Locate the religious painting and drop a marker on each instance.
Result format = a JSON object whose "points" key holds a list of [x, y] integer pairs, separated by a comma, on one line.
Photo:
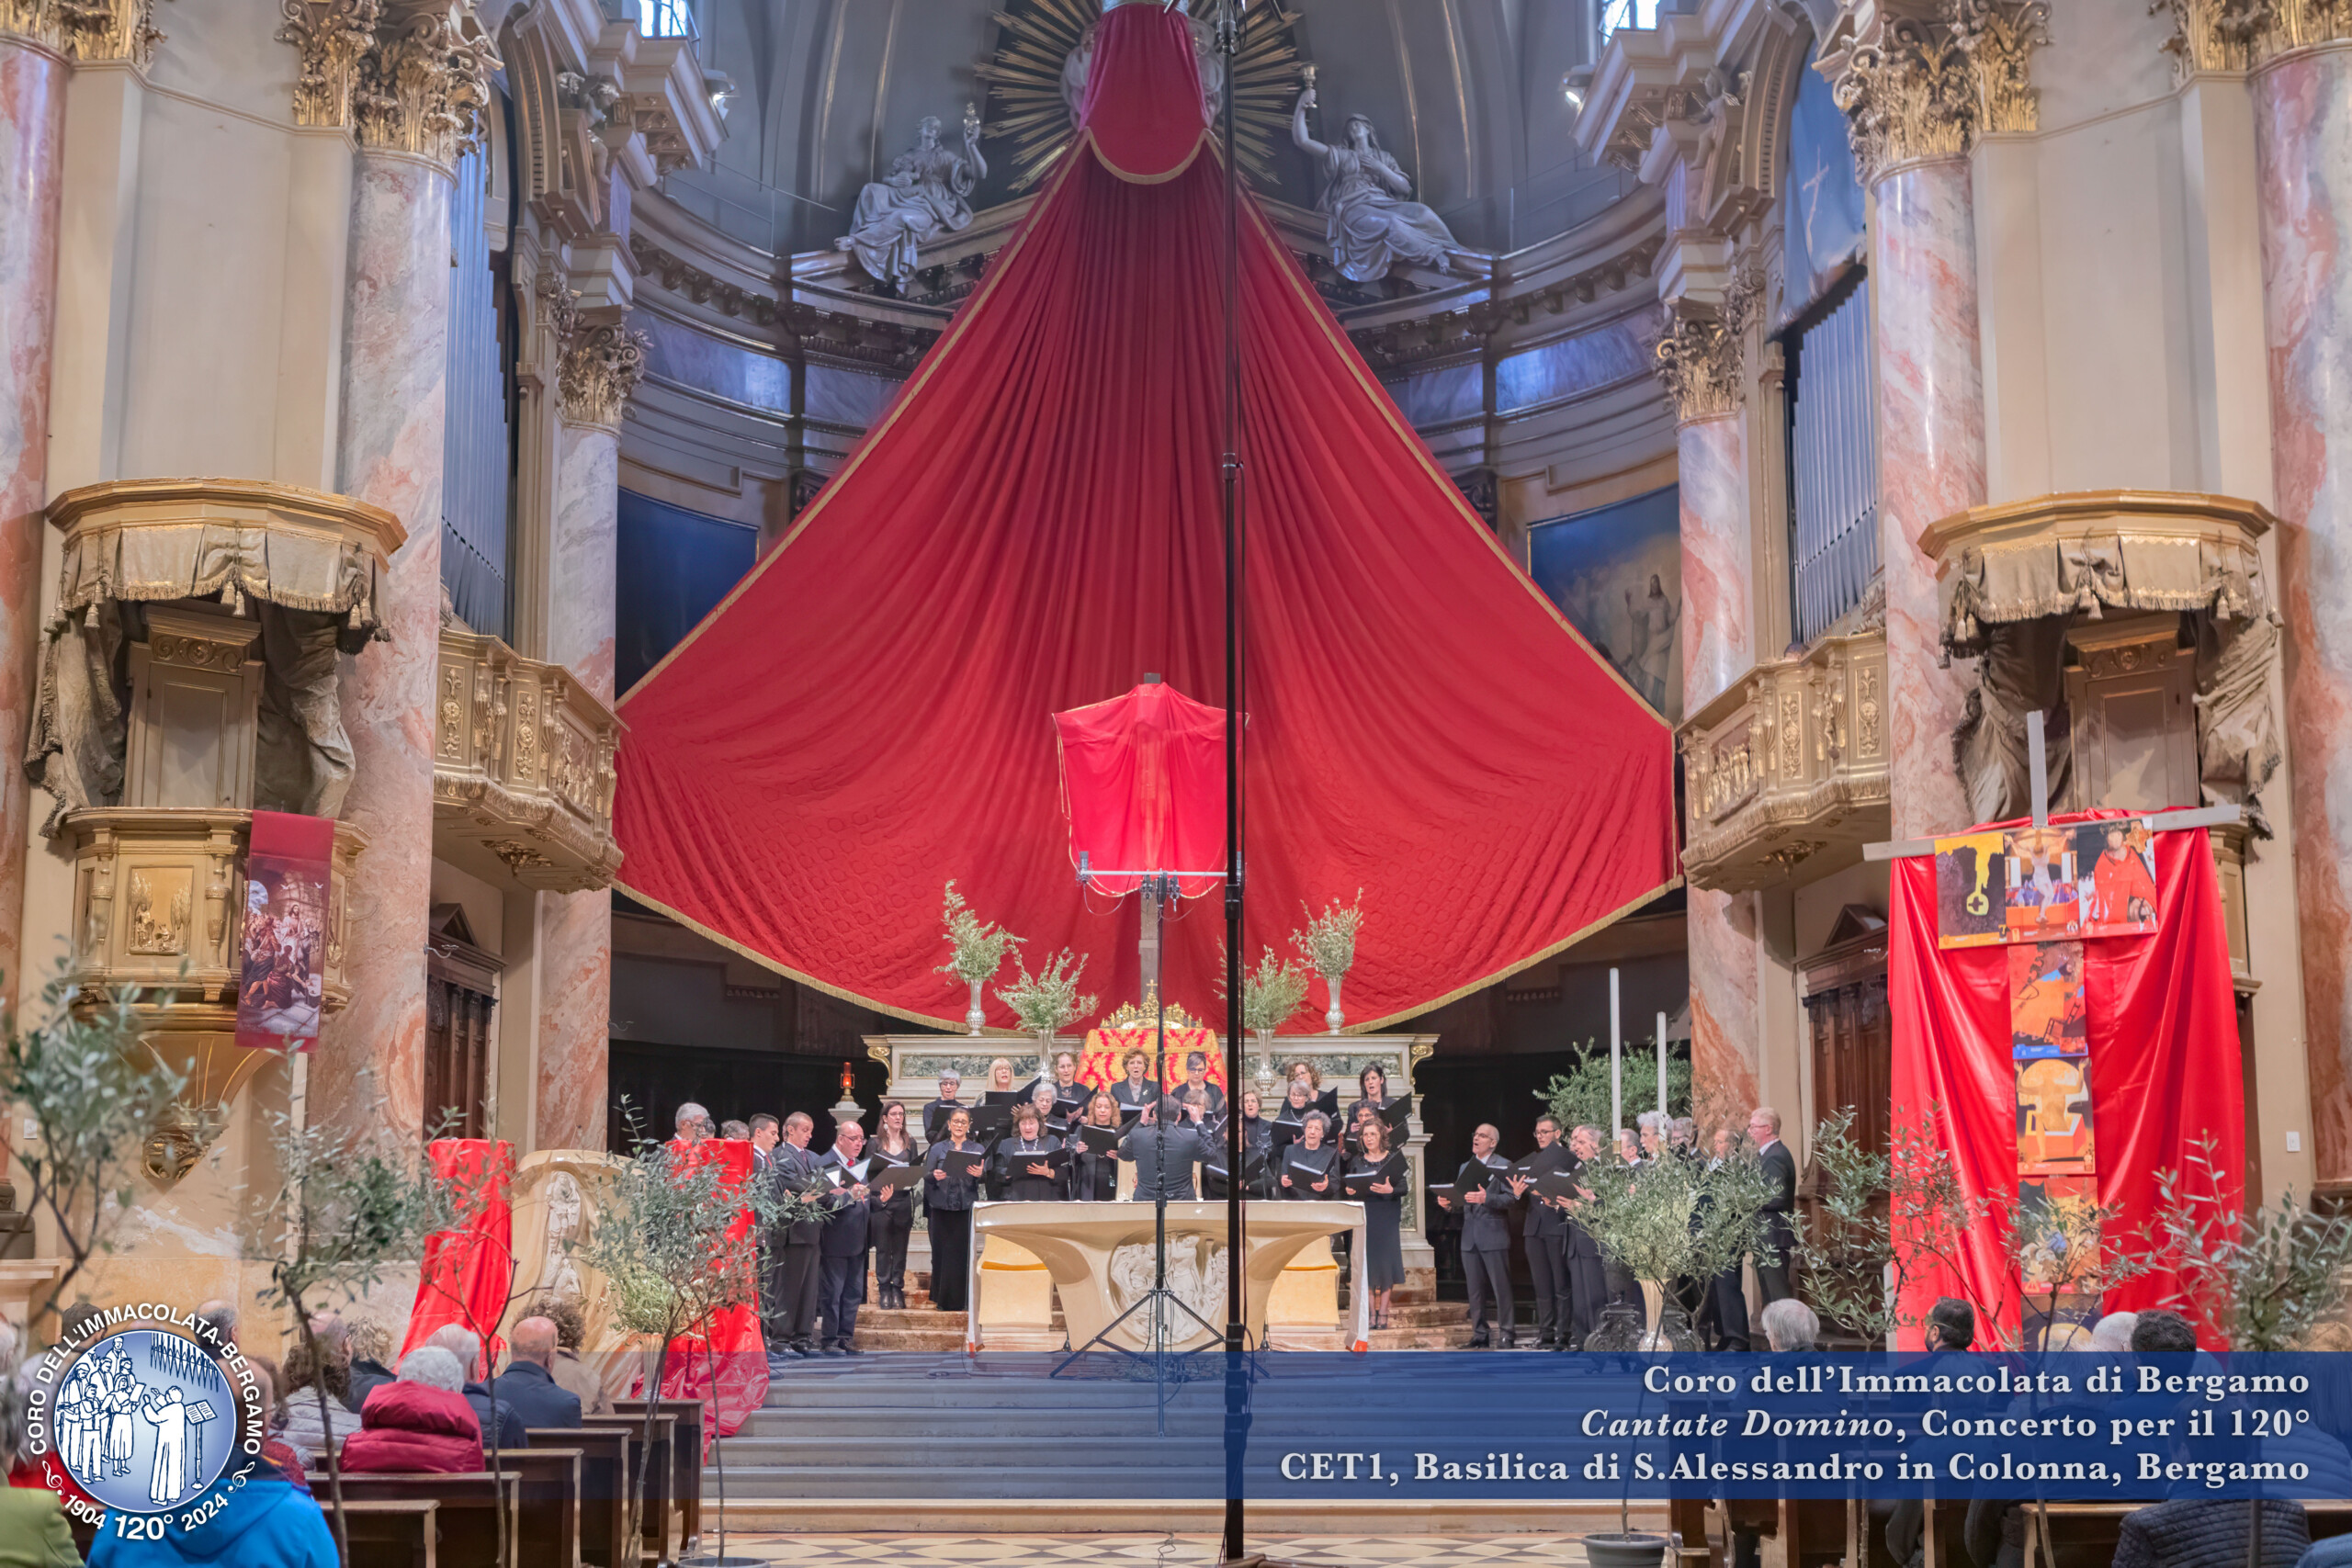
{"points": [[2039, 899], [1616, 573], [2053, 1101], [283, 941], [1972, 891], [2059, 1219], [2116, 862], [2047, 1017]]}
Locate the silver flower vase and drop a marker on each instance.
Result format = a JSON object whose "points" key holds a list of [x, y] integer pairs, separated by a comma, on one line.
{"points": [[974, 1015], [1334, 1019]]}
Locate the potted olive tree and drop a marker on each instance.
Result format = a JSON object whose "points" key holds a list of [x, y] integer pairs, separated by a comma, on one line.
{"points": [[1048, 1001]]}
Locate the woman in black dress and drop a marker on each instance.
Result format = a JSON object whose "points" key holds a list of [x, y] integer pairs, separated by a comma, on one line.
{"points": [[1295, 1182], [1028, 1177], [1094, 1178], [1258, 1138], [948, 1186], [1135, 1088], [1384, 1210], [892, 1219]]}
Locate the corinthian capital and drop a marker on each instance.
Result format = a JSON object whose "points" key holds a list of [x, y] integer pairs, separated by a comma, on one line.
{"points": [[1926, 83], [88, 31], [407, 76], [2240, 35], [599, 372], [1700, 356]]}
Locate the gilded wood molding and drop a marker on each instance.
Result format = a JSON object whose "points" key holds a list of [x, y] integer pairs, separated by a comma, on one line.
{"points": [[522, 769]]}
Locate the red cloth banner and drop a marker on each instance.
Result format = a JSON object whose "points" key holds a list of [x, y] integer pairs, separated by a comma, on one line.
{"points": [[1104, 1060], [282, 943], [724, 1362], [2162, 1029], [1032, 527], [468, 1272], [1143, 785]]}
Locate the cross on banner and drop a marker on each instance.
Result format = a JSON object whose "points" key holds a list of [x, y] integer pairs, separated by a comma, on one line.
{"points": [[2043, 891]]}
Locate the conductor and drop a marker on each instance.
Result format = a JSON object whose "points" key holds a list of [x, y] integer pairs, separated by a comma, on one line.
{"points": [[1186, 1147]]}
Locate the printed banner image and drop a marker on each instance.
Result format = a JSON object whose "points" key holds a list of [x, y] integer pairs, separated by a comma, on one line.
{"points": [[2047, 1017], [2054, 1116], [282, 944], [1971, 891], [1440, 1426], [2117, 863], [2060, 1214], [2038, 874]]}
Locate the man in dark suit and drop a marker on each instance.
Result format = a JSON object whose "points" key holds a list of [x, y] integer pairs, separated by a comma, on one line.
{"points": [[792, 1318], [841, 1249], [1546, 1230], [1185, 1148], [527, 1386], [1486, 1239], [1588, 1275], [1764, 1132]]}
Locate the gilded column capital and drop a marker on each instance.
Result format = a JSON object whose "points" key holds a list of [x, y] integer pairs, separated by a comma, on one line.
{"points": [[1927, 84], [598, 366], [87, 30], [1700, 356], [2243, 35], [405, 75]]}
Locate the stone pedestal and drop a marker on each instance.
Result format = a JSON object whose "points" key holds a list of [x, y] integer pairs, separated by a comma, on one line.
{"points": [[372, 1067], [32, 123], [1931, 464], [2302, 110]]}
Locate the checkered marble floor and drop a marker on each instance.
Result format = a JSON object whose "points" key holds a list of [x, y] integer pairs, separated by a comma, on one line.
{"points": [[1135, 1550]]}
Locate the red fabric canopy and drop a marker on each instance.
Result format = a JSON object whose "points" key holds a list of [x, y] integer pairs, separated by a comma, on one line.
{"points": [[1143, 784], [2163, 1048], [1034, 526]]}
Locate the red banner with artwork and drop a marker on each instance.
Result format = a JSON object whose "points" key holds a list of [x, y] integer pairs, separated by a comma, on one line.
{"points": [[282, 942]]}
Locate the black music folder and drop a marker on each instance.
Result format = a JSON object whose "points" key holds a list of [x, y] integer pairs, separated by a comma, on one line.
{"points": [[934, 1122], [892, 1176], [1099, 1140], [990, 1122], [1068, 1110], [1359, 1182], [1306, 1166], [1397, 1111], [1018, 1161]]}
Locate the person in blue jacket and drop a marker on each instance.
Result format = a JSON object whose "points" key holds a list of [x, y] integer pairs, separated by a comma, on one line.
{"points": [[267, 1522]]}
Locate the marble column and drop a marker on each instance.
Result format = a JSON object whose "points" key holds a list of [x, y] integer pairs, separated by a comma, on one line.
{"points": [[1931, 464], [370, 1064], [1717, 650], [2302, 108], [32, 125], [575, 945]]}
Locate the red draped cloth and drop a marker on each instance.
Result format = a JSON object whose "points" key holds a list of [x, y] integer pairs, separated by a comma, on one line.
{"points": [[1143, 784], [724, 1361], [469, 1271], [1032, 528], [2162, 1049]]}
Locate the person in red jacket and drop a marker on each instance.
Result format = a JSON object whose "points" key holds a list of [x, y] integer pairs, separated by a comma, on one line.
{"points": [[420, 1422]]}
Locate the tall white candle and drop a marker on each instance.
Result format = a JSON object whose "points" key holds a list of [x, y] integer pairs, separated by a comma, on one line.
{"points": [[1616, 1063], [1661, 1064]]}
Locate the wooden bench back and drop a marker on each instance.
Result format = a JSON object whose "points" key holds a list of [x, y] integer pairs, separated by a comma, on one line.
{"points": [[685, 1458], [468, 1508], [548, 1503], [603, 1485], [654, 1466], [392, 1532]]}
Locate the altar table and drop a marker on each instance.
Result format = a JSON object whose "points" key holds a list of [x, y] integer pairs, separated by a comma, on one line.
{"points": [[1019, 1248]]}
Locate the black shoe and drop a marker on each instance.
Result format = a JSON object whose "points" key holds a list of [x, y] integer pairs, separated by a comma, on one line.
{"points": [[1510, 1342], [833, 1350], [1477, 1344]]}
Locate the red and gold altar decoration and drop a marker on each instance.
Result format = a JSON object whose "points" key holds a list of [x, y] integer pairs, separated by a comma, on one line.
{"points": [[1131, 1029]]}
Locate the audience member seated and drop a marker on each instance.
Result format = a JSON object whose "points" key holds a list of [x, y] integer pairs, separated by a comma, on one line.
{"points": [[307, 1431], [272, 1445], [1790, 1325], [419, 1422], [370, 1348], [2113, 1332], [2193, 1532], [527, 1387], [263, 1521], [2335, 1552], [222, 1316], [33, 1532], [571, 1372], [501, 1430], [2158, 1330]]}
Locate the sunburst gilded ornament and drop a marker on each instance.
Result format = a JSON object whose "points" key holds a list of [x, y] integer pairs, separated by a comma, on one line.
{"points": [[1039, 69]]}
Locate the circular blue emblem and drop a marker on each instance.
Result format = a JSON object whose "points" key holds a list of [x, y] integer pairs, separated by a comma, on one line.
{"points": [[144, 1419]]}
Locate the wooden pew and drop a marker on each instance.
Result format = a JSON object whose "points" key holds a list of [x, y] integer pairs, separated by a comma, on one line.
{"points": [[603, 1486], [468, 1515], [2084, 1535], [685, 1462], [548, 1503], [654, 1465], [392, 1533]]}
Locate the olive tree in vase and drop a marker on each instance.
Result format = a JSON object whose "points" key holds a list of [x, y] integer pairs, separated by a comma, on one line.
{"points": [[1328, 945], [1048, 1001], [979, 949]]}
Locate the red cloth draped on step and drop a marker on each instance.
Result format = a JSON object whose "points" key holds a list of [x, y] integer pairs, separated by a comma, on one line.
{"points": [[2163, 1048], [468, 1272], [725, 1365], [1032, 528]]}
